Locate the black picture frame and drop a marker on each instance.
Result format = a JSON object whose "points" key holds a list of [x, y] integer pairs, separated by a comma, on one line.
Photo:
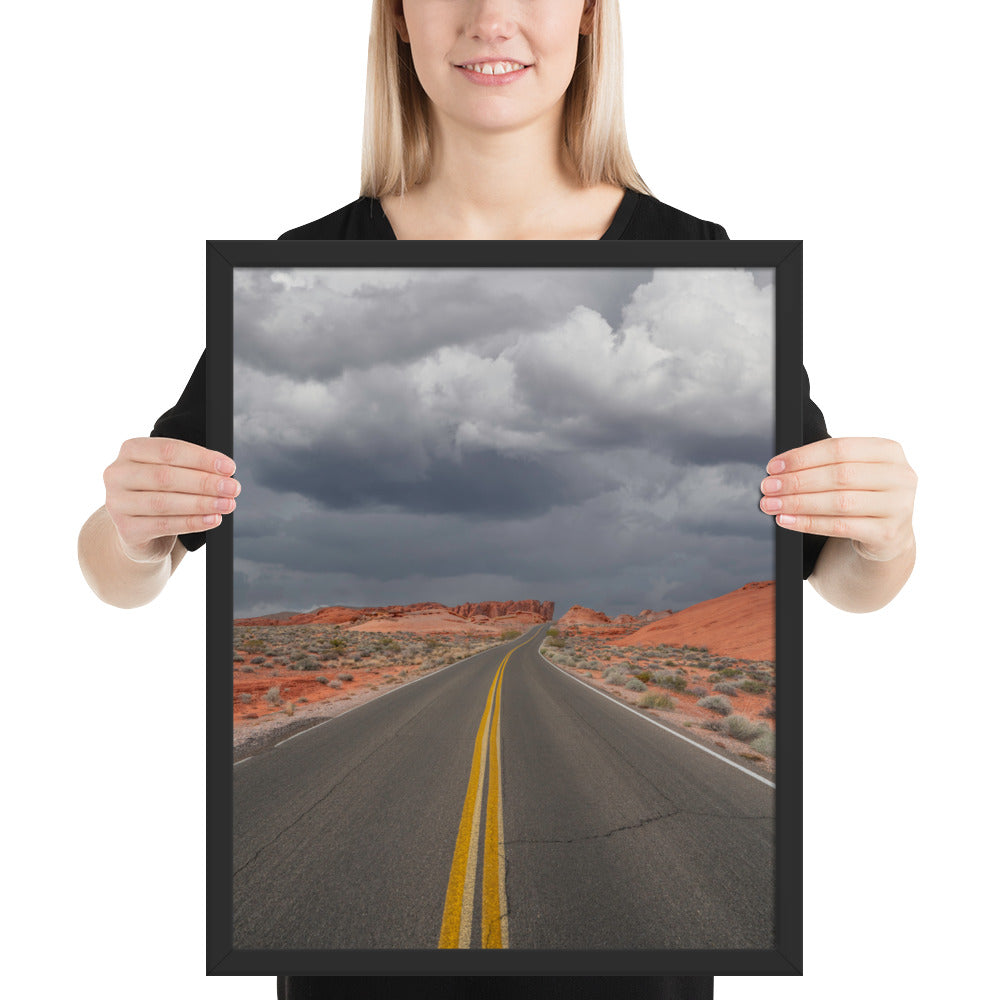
{"points": [[785, 957]]}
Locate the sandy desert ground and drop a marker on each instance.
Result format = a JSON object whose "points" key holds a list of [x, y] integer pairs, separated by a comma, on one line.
{"points": [[706, 671]]}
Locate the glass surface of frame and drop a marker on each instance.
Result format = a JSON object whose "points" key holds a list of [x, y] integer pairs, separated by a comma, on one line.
{"points": [[508, 631]]}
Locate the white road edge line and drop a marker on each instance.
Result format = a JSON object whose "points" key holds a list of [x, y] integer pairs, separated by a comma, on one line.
{"points": [[397, 687], [288, 739], [634, 711]]}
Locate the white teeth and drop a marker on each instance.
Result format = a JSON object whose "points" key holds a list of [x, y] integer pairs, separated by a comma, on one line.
{"points": [[495, 69]]}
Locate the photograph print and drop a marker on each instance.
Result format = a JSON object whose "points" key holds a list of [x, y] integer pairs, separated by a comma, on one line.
{"points": [[503, 612]]}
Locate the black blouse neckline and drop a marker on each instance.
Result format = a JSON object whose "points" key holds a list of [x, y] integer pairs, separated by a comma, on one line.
{"points": [[622, 215]]}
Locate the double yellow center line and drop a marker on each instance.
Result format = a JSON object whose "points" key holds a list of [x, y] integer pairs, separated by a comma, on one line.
{"points": [[456, 925]]}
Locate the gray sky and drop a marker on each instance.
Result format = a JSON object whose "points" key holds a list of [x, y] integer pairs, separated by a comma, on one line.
{"points": [[589, 436]]}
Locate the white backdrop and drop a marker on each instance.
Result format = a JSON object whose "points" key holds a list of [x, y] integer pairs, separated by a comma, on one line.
{"points": [[135, 132]]}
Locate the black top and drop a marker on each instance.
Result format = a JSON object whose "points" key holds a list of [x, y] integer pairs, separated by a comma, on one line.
{"points": [[639, 217]]}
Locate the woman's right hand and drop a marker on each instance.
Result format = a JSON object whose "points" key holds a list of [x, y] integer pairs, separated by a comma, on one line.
{"points": [[159, 488]]}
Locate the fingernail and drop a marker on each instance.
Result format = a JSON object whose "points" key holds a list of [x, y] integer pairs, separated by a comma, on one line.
{"points": [[786, 519], [771, 485], [772, 504], [225, 466], [211, 519], [775, 466], [228, 486]]}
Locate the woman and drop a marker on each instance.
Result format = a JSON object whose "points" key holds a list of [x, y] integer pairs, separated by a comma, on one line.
{"points": [[501, 119]]}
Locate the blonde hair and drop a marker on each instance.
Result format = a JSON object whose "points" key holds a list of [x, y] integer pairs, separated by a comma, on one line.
{"points": [[396, 144]]}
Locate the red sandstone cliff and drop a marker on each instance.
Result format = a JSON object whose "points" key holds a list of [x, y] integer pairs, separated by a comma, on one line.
{"points": [[738, 624], [527, 612]]}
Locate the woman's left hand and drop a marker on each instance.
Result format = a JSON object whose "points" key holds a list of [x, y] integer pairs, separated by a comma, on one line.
{"points": [[856, 488]]}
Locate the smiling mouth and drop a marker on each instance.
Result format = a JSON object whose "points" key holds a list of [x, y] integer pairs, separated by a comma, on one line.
{"points": [[493, 68]]}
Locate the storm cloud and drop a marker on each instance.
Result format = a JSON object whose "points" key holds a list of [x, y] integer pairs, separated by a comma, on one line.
{"points": [[592, 436]]}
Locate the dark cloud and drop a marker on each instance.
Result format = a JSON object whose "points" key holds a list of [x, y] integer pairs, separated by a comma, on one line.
{"points": [[481, 484], [585, 437]]}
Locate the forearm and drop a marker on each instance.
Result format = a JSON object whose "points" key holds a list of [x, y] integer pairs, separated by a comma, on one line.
{"points": [[112, 575], [852, 583]]}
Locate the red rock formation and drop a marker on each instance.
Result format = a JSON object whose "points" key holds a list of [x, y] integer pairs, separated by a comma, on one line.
{"points": [[738, 624], [497, 609], [526, 612], [579, 615]]}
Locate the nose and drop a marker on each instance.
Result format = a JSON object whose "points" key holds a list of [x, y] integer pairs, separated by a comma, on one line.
{"points": [[490, 19]]}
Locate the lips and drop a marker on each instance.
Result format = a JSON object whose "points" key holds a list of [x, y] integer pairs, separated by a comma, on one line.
{"points": [[484, 60], [495, 78]]}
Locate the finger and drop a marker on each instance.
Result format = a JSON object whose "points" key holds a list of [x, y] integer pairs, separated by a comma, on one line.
{"points": [[171, 451], [142, 477], [866, 530], [834, 451], [875, 476], [842, 503], [161, 504]]}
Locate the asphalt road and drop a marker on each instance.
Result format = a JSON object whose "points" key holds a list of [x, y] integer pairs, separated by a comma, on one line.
{"points": [[499, 803]]}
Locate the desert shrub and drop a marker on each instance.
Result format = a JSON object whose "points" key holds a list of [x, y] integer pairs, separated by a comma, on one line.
{"points": [[724, 687], [509, 633], [645, 676], [767, 712], [246, 697], [257, 659], [322, 680], [634, 684], [247, 669], [765, 744], [252, 645], [335, 683], [273, 696], [698, 691], [238, 659], [716, 703], [660, 676], [309, 663], [299, 654], [742, 728], [753, 687], [675, 682], [713, 725], [613, 676], [345, 677], [652, 700]]}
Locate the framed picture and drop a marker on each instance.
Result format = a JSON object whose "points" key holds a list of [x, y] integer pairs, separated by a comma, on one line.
{"points": [[508, 631]]}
